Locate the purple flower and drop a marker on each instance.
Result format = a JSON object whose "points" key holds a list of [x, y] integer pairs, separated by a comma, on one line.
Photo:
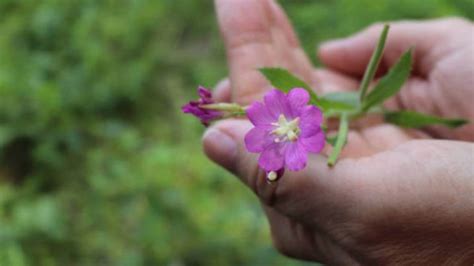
{"points": [[195, 107], [286, 130]]}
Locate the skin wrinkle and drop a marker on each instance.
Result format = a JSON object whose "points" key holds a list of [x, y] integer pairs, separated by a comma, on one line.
{"points": [[308, 248], [281, 21], [284, 199], [323, 239], [371, 145], [253, 29], [348, 257], [306, 252], [440, 77], [395, 212], [436, 81], [402, 153], [470, 110], [300, 231], [257, 37], [418, 242]]}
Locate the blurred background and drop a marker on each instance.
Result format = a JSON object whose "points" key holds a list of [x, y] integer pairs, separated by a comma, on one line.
{"points": [[97, 164]]}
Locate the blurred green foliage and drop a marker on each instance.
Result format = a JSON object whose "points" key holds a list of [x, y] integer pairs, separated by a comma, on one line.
{"points": [[98, 166]]}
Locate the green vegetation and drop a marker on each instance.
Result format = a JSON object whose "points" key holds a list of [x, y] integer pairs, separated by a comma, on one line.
{"points": [[98, 166]]}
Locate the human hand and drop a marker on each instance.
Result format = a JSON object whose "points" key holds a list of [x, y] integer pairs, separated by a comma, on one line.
{"points": [[409, 205], [443, 76], [359, 211]]}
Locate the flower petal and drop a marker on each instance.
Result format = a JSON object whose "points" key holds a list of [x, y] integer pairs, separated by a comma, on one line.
{"points": [[310, 120], [204, 115], [258, 138], [259, 115], [298, 98], [272, 159], [313, 143], [204, 93], [295, 157], [277, 103]]}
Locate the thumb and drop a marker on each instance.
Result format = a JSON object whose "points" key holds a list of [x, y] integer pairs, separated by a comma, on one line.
{"points": [[296, 194], [351, 55]]}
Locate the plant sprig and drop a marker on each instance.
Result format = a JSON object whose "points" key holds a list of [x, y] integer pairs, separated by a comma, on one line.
{"points": [[347, 106]]}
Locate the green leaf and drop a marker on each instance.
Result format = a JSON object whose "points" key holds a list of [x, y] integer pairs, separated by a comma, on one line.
{"points": [[412, 119], [341, 139], [339, 102], [374, 62], [283, 80], [347, 101], [391, 83]]}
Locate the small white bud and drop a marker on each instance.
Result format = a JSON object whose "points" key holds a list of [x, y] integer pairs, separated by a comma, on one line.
{"points": [[272, 176]]}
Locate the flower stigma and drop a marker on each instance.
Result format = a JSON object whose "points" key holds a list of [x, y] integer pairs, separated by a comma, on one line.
{"points": [[286, 130]]}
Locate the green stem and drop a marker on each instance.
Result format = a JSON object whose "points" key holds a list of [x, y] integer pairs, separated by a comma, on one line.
{"points": [[373, 63], [341, 139], [229, 107]]}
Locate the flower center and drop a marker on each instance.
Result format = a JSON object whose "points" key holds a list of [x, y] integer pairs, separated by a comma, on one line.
{"points": [[286, 129]]}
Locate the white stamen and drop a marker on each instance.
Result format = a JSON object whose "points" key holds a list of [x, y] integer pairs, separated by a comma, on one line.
{"points": [[292, 136], [286, 130]]}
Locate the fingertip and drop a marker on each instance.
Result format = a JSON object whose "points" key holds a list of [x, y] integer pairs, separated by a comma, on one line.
{"points": [[327, 50], [219, 147], [222, 91], [331, 45], [349, 55]]}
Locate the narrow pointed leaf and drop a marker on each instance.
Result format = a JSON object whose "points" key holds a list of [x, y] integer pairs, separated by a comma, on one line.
{"points": [[341, 139], [347, 101], [391, 83], [374, 62], [412, 119]]}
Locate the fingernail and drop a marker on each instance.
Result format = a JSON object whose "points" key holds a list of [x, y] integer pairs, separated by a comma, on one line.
{"points": [[220, 147]]}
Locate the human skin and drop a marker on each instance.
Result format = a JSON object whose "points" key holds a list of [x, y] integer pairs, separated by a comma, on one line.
{"points": [[396, 196]]}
